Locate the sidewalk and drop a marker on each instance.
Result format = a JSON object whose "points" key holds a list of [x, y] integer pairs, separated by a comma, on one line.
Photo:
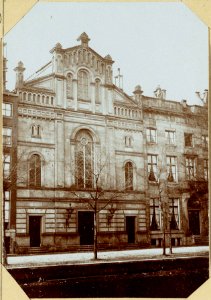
{"points": [[106, 256]]}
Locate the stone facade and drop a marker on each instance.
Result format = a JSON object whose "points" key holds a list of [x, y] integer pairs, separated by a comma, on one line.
{"points": [[74, 125]]}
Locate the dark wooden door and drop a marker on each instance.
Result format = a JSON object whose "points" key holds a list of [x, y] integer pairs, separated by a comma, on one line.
{"points": [[130, 229], [194, 223], [86, 227], [34, 230]]}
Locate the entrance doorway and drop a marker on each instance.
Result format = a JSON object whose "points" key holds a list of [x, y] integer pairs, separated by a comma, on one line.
{"points": [[130, 229], [35, 230], [194, 222], [86, 227]]}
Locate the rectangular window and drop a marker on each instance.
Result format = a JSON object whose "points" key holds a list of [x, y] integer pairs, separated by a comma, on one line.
{"points": [[170, 137], [190, 168], [188, 139], [205, 141], [6, 206], [174, 213], [206, 169], [151, 135], [7, 136], [128, 141], [152, 167], [171, 162], [7, 109], [6, 165], [155, 215]]}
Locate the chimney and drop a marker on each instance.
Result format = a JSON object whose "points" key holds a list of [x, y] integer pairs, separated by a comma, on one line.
{"points": [[19, 75]]}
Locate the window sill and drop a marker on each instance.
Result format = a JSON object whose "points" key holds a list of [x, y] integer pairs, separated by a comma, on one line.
{"points": [[84, 100], [189, 147], [36, 136], [151, 143]]}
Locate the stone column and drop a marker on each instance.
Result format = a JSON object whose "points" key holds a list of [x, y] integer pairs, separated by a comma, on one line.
{"points": [[75, 94], [92, 96], [60, 152]]}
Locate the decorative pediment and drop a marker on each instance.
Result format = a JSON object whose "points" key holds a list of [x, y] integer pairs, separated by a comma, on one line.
{"points": [[85, 56]]}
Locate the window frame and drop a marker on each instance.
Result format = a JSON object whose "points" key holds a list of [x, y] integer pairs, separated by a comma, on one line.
{"points": [[83, 85], [172, 213], [205, 169], [6, 165], [129, 176], [6, 136], [189, 167], [84, 176], [69, 85], [171, 140], [205, 141], [35, 172], [155, 207], [188, 139], [152, 166], [151, 138], [7, 200], [172, 163], [36, 131], [97, 91], [4, 109]]}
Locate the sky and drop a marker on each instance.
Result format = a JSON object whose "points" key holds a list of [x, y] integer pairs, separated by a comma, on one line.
{"points": [[152, 43]]}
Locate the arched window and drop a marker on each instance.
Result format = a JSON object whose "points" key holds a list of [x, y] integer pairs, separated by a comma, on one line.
{"points": [[97, 91], [69, 90], [29, 97], [38, 130], [129, 176], [82, 85], [84, 160], [35, 171], [34, 131]]}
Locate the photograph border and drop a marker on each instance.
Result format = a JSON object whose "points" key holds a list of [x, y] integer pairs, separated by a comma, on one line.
{"points": [[12, 11]]}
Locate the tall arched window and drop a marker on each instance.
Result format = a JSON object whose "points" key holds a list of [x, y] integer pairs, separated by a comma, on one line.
{"points": [[82, 85], [129, 176], [84, 160], [35, 171], [97, 91], [69, 90]]}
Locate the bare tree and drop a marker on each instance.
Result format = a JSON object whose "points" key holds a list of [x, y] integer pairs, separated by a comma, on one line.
{"points": [[161, 177], [93, 182], [11, 161], [91, 189]]}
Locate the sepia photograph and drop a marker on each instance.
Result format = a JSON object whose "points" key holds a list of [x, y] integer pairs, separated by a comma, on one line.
{"points": [[105, 150]]}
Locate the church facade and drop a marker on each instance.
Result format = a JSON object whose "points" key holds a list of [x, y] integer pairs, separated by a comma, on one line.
{"points": [[86, 149]]}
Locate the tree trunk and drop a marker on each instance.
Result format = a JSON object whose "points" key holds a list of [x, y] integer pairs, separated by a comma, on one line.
{"points": [[170, 244], [164, 242], [95, 234]]}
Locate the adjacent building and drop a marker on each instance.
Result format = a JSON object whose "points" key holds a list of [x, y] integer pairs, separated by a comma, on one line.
{"points": [[82, 140], [9, 141]]}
